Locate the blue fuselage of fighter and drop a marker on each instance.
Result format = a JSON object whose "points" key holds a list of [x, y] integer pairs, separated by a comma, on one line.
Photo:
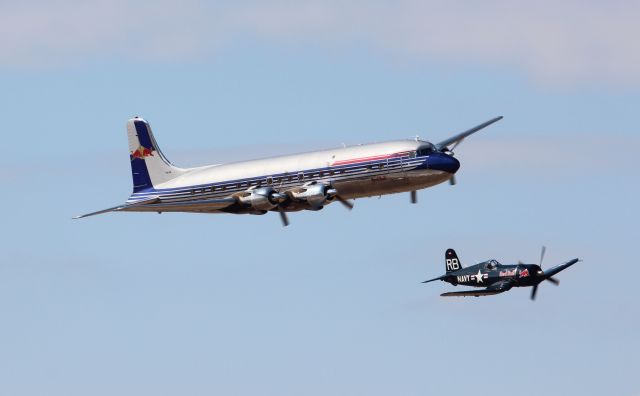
{"points": [[307, 181], [496, 278]]}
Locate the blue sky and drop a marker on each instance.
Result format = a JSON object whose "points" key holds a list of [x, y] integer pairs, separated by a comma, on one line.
{"points": [[177, 303]]}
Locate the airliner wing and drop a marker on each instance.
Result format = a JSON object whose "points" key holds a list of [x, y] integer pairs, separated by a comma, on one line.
{"points": [[118, 208], [461, 136], [202, 205], [153, 204]]}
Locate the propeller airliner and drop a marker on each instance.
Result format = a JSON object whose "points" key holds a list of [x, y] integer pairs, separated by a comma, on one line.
{"points": [[307, 181]]}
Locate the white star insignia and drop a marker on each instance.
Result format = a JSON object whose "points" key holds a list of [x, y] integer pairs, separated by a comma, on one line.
{"points": [[479, 277]]}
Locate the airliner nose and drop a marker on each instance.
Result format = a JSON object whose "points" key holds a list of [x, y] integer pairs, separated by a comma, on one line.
{"points": [[443, 162]]}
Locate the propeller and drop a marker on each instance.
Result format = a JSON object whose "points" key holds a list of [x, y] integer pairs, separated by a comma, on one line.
{"points": [[329, 192], [414, 196], [283, 217], [347, 204], [541, 275]]}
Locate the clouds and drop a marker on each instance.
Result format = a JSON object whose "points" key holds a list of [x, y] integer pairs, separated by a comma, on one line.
{"points": [[570, 42]]}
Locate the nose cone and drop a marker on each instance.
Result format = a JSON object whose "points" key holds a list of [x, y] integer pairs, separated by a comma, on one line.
{"points": [[443, 162]]}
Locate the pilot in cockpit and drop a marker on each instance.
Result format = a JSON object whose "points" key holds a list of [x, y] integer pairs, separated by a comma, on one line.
{"points": [[491, 264]]}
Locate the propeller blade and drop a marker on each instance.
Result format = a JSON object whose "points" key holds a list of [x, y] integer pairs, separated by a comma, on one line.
{"points": [[533, 292], [553, 280], [544, 249], [520, 262], [283, 217], [414, 197], [452, 181], [347, 204]]}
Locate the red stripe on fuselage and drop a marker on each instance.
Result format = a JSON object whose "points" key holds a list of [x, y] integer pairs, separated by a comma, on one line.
{"points": [[371, 158]]}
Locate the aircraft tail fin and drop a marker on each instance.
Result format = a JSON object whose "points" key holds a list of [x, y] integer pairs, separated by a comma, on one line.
{"points": [[451, 261], [149, 167]]}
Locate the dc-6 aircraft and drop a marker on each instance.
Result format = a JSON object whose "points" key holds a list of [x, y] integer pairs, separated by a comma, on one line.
{"points": [[307, 181], [495, 277]]}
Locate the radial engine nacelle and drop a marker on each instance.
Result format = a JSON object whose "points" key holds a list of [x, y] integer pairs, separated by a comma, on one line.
{"points": [[315, 195], [261, 198]]}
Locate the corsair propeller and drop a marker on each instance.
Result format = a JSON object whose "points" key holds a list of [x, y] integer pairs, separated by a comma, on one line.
{"points": [[541, 275]]}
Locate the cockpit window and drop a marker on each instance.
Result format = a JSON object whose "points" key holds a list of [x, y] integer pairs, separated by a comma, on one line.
{"points": [[425, 150], [491, 264]]}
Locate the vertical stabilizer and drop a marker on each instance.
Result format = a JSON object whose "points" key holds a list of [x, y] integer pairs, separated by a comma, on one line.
{"points": [[451, 261], [149, 167]]}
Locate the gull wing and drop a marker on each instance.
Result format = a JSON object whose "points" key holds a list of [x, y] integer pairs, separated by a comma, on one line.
{"points": [[496, 288], [474, 293], [552, 271]]}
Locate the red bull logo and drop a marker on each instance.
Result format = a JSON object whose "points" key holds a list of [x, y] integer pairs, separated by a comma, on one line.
{"points": [[142, 152], [524, 273], [508, 272]]}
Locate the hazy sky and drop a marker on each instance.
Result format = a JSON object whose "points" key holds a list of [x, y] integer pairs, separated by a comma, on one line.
{"points": [[134, 303]]}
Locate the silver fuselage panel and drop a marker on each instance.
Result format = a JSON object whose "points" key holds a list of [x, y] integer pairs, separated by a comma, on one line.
{"points": [[356, 172]]}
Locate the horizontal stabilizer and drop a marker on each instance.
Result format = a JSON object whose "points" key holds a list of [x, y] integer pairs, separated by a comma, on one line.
{"points": [[435, 279], [121, 207], [472, 293]]}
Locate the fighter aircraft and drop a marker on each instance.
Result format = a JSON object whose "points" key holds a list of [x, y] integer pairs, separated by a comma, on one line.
{"points": [[307, 181], [495, 277]]}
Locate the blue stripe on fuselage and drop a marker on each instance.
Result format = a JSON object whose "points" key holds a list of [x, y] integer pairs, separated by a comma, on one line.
{"points": [[342, 172]]}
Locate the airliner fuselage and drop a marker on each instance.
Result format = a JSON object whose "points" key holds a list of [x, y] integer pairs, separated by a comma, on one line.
{"points": [[307, 181]]}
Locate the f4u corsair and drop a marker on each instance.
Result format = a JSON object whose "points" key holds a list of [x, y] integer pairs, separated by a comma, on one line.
{"points": [[307, 181], [495, 277]]}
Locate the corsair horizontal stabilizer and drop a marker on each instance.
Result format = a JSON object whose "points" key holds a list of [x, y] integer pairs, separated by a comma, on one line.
{"points": [[435, 279], [122, 207]]}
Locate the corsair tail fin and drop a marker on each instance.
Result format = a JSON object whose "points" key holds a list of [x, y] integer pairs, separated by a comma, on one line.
{"points": [[149, 167], [451, 261]]}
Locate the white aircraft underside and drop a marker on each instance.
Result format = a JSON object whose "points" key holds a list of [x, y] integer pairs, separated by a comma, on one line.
{"points": [[307, 181]]}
